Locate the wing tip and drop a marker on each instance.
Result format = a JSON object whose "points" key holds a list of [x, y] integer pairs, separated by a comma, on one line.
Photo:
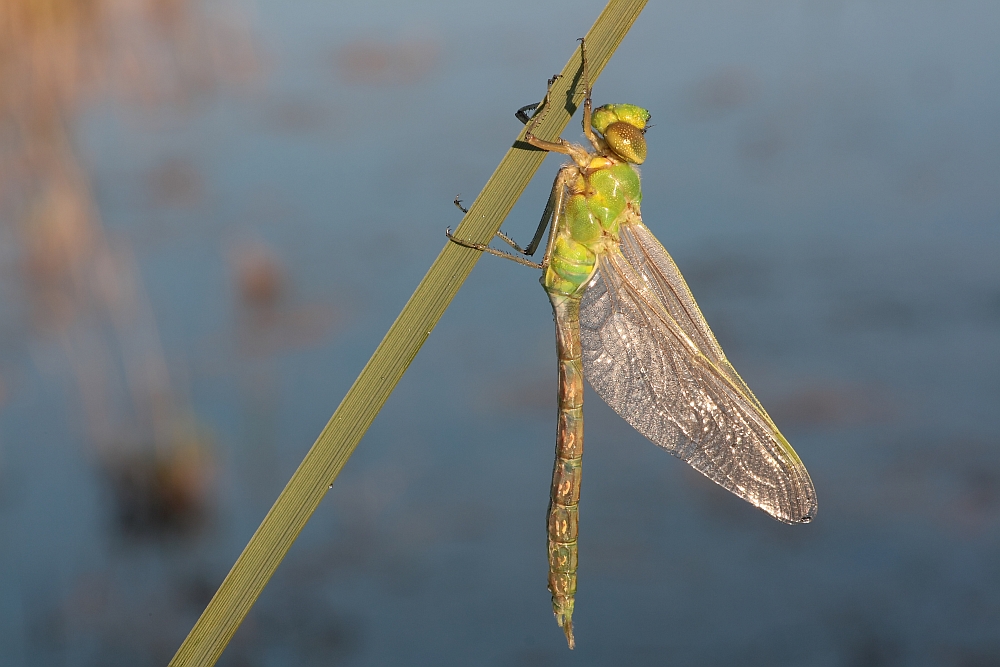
{"points": [[807, 517], [802, 516]]}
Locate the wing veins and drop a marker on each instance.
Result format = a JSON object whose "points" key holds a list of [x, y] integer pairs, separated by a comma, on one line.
{"points": [[741, 449], [634, 359]]}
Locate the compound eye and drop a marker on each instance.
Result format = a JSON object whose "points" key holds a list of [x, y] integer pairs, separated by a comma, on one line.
{"points": [[627, 141]]}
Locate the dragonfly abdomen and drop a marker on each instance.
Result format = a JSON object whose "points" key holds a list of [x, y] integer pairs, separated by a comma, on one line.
{"points": [[563, 517]]}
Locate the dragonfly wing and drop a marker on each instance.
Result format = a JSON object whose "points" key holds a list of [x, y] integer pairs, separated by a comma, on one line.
{"points": [[657, 269], [651, 356]]}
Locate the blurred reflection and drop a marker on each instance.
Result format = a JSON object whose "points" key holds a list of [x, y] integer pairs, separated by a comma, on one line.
{"points": [[268, 321], [163, 491], [85, 308], [260, 279], [375, 62], [80, 283]]}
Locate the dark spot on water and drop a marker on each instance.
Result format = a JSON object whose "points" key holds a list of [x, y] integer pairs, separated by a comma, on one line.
{"points": [[874, 651], [721, 92], [762, 143], [157, 495], [175, 183]]}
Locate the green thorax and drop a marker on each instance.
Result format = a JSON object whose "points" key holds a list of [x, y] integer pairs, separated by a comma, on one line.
{"points": [[588, 224]]}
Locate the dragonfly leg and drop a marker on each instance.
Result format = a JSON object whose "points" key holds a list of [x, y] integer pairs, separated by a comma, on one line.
{"points": [[560, 145], [553, 209], [493, 251], [458, 203], [512, 243], [588, 131], [553, 205], [522, 113]]}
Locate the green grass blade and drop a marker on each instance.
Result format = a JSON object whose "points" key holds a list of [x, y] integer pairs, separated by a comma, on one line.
{"points": [[275, 535]]}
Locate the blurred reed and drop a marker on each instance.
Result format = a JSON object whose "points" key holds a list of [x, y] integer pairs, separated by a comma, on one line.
{"points": [[79, 284]]}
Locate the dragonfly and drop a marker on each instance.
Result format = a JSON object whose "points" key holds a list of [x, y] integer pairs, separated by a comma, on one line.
{"points": [[626, 320]]}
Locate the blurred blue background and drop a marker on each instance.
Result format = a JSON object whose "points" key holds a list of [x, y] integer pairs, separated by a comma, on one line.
{"points": [[213, 211]]}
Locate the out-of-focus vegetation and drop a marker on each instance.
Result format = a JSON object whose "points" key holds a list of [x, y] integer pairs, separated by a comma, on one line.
{"points": [[71, 282]]}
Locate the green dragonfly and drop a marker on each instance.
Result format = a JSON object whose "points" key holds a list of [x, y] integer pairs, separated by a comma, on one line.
{"points": [[627, 321]]}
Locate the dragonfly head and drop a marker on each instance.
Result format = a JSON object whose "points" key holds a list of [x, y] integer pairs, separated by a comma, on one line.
{"points": [[624, 128]]}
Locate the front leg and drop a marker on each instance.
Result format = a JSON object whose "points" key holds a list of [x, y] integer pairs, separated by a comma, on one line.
{"points": [[559, 145], [580, 155]]}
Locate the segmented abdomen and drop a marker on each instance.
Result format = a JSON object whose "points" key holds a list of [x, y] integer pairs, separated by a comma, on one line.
{"points": [[565, 497]]}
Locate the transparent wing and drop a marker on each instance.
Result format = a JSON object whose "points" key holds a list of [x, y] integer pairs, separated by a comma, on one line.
{"points": [[657, 269], [650, 355]]}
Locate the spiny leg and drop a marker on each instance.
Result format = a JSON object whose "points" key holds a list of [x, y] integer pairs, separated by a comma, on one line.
{"points": [[522, 113], [557, 200], [493, 251], [588, 131], [553, 210], [550, 205], [479, 246], [560, 145]]}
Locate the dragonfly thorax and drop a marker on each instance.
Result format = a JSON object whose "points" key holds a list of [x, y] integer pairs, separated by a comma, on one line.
{"points": [[597, 200]]}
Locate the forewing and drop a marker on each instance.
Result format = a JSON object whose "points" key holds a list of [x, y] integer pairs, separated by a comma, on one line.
{"points": [[672, 383], [656, 267]]}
